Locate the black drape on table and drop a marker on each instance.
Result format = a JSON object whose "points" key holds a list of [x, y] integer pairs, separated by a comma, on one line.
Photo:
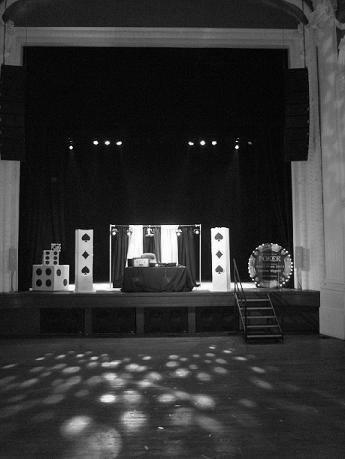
{"points": [[187, 254], [119, 255]]}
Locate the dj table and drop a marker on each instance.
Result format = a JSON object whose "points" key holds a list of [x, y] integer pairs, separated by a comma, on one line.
{"points": [[158, 279]]}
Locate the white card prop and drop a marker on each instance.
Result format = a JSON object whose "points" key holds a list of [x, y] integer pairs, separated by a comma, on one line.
{"points": [[50, 277], [83, 260], [220, 248]]}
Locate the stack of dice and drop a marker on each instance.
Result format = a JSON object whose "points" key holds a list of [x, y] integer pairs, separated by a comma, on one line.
{"points": [[50, 275]]}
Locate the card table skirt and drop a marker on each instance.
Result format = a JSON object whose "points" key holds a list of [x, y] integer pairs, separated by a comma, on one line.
{"points": [[157, 279]]}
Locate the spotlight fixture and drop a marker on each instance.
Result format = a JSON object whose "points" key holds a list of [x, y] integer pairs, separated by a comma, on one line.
{"points": [[237, 144], [250, 143], [178, 232], [114, 231], [196, 230], [95, 142], [202, 143], [214, 142], [129, 232], [70, 143], [107, 142], [191, 143], [119, 143]]}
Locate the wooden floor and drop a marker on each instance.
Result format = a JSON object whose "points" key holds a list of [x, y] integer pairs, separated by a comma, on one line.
{"points": [[164, 397]]}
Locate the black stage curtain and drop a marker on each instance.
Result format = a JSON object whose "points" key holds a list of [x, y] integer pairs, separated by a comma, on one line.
{"points": [[119, 255], [187, 254], [155, 176], [248, 191]]}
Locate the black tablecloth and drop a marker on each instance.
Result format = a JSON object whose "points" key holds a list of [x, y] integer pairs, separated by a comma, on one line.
{"points": [[157, 279]]}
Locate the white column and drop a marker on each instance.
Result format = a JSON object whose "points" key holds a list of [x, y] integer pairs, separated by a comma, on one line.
{"points": [[9, 221], [9, 182], [308, 233], [332, 100]]}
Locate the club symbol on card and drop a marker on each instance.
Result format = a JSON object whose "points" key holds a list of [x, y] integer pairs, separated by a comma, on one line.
{"points": [[85, 237], [85, 255], [85, 270], [219, 254], [219, 269], [218, 237]]}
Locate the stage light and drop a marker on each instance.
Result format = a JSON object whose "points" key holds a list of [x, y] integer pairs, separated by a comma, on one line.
{"points": [[129, 232], [191, 144], [107, 142], [119, 143], [70, 147], [95, 142], [237, 144], [202, 143], [178, 232], [237, 147], [214, 142], [250, 142], [114, 231]]}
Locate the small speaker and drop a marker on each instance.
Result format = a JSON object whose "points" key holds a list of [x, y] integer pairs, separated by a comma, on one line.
{"points": [[302, 258], [296, 126], [12, 259], [298, 257], [12, 113]]}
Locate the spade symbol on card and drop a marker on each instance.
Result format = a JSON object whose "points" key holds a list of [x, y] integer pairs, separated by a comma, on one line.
{"points": [[219, 269], [218, 237], [85, 237], [85, 270]]}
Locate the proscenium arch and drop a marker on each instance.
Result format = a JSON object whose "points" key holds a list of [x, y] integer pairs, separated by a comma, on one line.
{"points": [[160, 37], [80, 13]]}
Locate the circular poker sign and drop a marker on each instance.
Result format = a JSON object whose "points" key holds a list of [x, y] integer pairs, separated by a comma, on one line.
{"points": [[270, 265]]}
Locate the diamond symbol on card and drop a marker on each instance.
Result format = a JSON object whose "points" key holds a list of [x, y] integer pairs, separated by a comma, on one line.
{"points": [[85, 270], [85, 237], [219, 269], [85, 255], [219, 254], [218, 237]]}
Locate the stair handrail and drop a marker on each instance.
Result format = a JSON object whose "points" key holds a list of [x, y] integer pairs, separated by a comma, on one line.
{"points": [[275, 315], [239, 293]]}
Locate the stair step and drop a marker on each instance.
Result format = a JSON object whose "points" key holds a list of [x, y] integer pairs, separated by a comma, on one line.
{"points": [[262, 326], [261, 317], [258, 308], [266, 336], [251, 300]]}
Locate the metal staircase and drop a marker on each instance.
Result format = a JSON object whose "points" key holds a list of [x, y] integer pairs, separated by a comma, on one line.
{"points": [[258, 319]]}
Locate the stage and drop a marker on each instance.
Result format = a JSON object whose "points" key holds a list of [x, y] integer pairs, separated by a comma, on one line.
{"points": [[109, 311]]}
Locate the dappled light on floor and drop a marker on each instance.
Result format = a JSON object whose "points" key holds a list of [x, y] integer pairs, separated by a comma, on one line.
{"points": [[107, 398], [75, 426], [160, 401]]}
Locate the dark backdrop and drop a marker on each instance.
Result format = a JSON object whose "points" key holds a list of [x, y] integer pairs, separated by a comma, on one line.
{"points": [[155, 100]]}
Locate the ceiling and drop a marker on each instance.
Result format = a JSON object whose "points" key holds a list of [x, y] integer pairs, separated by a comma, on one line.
{"points": [[156, 13]]}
